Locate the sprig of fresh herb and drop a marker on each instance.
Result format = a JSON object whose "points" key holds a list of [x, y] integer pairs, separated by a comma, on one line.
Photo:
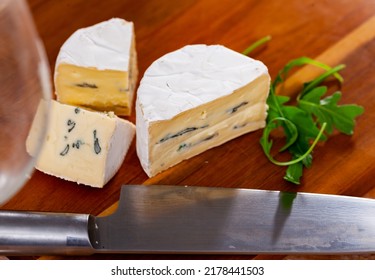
{"points": [[257, 44], [312, 119]]}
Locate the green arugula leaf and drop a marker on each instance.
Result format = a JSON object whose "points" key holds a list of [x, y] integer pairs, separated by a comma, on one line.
{"points": [[308, 120], [317, 81], [267, 144], [294, 173], [312, 119], [326, 110], [302, 61], [257, 44]]}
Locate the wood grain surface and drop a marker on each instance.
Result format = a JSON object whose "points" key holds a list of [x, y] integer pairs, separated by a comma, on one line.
{"points": [[339, 31]]}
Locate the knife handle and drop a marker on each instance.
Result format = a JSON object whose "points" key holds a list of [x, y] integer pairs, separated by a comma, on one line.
{"points": [[37, 233]]}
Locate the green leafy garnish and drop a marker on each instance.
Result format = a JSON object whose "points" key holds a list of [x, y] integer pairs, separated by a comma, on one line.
{"points": [[312, 117], [257, 44]]}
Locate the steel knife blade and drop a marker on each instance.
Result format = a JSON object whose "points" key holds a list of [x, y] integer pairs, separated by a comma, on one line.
{"points": [[204, 220]]}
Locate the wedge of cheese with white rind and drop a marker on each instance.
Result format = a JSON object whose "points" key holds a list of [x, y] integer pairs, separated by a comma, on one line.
{"points": [[196, 98], [97, 67], [81, 146]]}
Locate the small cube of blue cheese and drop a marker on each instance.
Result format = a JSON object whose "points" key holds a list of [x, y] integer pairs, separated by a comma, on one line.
{"points": [[81, 146]]}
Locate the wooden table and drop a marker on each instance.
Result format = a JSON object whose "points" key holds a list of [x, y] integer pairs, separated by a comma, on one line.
{"points": [[339, 31]]}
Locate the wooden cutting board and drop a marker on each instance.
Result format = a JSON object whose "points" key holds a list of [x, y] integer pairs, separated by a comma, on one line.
{"points": [[334, 32]]}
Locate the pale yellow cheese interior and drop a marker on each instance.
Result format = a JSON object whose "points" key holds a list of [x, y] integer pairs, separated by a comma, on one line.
{"points": [[206, 126], [102, 90], [81, 146]]}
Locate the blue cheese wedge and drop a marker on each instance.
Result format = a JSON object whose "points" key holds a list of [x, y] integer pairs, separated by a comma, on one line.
{"points": [[81, 146], [97, 67], [196, 98]]}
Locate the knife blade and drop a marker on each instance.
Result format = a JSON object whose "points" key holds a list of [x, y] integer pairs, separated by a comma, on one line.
{"points": [[207, 220]]}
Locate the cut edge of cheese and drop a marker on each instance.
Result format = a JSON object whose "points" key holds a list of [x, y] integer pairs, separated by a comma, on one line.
{"points": [[82, 146], [153, 158], [97, 68], [164, 140]]}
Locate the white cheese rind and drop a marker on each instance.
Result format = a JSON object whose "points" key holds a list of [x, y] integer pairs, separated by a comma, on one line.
{"points": [[194, 99], [192, 76], [97, 68], [82, 146], [105, 46]]}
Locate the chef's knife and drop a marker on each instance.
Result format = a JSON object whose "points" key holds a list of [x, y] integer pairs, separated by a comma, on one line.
{"points": [[182, 219]]}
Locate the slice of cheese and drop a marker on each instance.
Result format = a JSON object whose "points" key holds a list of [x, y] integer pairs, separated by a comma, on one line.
{"points": [[196, 98], [97, 67], [82, 146]]}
